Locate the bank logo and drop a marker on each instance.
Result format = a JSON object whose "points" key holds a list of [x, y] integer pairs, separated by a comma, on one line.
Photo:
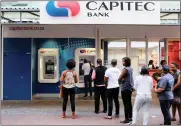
{"points": [[62, 8], [82, 51]]}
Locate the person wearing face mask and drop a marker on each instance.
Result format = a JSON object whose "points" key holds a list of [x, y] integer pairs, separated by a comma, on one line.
{"points": [[99, 86]]}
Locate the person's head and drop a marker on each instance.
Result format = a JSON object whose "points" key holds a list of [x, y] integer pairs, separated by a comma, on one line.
{"points": [[163, 62], [126, 61], [174, 67], [99, 62], [70, 64], [114, 62], [166, 69], [85, 61], [144, 71], [150, 62]]}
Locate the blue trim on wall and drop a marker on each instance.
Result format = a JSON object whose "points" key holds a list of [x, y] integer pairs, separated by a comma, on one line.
{"points": [[17, 69]]}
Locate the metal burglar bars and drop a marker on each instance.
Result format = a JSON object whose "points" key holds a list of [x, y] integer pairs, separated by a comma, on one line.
{"points": [[23, 13]]}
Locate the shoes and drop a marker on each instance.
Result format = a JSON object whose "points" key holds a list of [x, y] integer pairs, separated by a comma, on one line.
{"points": [[116, 115], [173, 119], [108, 117], [63, 115], [96, 112], [104, 111], [73, 115], [125, 121], [179, 122]]}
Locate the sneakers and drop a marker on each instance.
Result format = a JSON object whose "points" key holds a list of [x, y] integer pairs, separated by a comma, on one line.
{"points": [[126, 121], [108, 117], [179, 122], [73, 115], [63, 115], [116, 115]]}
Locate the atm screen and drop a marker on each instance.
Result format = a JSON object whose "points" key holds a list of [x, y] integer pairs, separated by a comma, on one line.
{"points": [[49, 68]]}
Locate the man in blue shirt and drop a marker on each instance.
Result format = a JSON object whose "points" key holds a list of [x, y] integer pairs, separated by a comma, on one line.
{"points": [[165, 94]]}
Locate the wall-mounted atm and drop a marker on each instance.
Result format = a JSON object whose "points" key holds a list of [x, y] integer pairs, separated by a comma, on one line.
{"points": [[80, 55], [48, 65]]}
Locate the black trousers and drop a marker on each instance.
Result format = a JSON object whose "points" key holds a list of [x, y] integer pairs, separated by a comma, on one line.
{"points": [[68, 92], [112, 94], [165, 108], [88, 85], [126, 97], [100, 92]]}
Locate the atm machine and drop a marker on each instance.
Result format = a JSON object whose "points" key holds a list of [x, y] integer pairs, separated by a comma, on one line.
{"points": [[48, 65], [80, 55]]}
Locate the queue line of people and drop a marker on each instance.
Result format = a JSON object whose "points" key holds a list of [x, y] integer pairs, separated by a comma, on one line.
{"points": [[108, 81]]}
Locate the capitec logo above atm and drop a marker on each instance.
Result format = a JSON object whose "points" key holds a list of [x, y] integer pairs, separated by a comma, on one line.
{"points": [[63, 8], [87, 51], [95, 8]]}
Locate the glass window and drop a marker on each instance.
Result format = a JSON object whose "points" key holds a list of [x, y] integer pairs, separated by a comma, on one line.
{"points": [[117, 50], [153, 53], [137, 55]]}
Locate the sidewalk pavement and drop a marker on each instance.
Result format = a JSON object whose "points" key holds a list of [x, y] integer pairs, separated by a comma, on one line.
{"points": [[48, 112]]}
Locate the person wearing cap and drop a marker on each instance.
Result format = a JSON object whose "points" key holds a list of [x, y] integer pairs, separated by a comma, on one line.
{"points": [[165, 94], [111, 80], [99, 86]]}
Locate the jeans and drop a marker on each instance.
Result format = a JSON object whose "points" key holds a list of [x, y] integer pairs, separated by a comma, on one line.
{"points": [[165, 108], [126, 97], [144, 102], [112, 94], [100, 92], [66, 93], [88, 84]]}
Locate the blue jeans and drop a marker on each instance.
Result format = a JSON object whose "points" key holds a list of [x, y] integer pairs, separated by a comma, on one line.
{"points": [[165, 108]]}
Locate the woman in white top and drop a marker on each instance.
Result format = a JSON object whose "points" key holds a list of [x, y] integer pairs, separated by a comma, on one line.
{"points": [[143, 85]]}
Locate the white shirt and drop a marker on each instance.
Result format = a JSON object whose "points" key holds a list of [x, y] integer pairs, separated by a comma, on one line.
{"points": [[143, 85], [113, 75], [86, 67]]}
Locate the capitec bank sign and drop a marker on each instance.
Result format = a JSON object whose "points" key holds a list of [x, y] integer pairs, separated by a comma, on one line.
{"points": [[100, 12]]}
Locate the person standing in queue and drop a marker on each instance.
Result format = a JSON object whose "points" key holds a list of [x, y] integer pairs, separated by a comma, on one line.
{"points": [[99, 86], [111, 80], [165, 94], [127, 88], [87, 78], [143, 85], [69, 78], [176, 105]]}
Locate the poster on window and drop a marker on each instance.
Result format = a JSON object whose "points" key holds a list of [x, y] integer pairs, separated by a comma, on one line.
{"points": [[173, 52]]}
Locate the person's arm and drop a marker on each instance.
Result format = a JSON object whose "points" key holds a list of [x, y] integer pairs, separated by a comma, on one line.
{"points": [[162, 86], [178, 83], [135, 83], [106, 78], [123, 74], [83, 67], [94, 75], [106, 81], [62, 77], [75, 77]]}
